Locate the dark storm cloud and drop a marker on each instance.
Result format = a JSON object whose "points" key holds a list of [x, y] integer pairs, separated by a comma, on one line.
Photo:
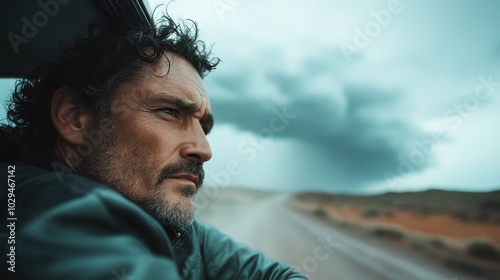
{"points": [[361, 129]]}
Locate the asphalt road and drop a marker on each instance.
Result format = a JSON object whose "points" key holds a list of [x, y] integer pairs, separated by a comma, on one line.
{"points": [[322, 251]]}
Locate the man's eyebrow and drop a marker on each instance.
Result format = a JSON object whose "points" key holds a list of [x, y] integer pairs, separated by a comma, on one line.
{"points": [[181, 104]]}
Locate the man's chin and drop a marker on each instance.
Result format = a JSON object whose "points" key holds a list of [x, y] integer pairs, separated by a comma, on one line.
{"points": [[179, 214]]}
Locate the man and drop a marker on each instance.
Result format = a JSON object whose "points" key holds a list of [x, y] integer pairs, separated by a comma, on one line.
{"points": [[104, 158]]}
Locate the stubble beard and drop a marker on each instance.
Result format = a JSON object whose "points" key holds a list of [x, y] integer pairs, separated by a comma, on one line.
{"points": [[107, 164]]}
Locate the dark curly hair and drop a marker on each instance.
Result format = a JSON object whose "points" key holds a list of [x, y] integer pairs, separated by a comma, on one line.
{"points": [[94, 67]]}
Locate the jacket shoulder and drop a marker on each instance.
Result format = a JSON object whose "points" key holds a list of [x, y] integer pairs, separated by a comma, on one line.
{"points": [[83, 224]]}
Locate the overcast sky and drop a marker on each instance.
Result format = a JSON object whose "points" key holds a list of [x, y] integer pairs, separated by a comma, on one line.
{"points": [[352, 96]]}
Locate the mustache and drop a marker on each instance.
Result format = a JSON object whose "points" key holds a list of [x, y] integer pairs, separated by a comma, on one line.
{"points": [[186, 166]]}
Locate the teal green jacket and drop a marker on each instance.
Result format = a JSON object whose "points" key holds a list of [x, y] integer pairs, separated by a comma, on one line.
{"points": [[65, 226]]}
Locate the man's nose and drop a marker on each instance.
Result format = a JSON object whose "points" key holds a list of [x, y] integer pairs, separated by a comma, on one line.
{"points": [[196, 148]]}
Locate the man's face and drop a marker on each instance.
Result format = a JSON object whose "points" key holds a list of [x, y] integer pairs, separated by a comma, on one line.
{"points": [[154, 153]]}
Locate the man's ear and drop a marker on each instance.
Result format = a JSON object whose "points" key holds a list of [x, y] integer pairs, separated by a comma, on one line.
{"points": [[70, 115]]}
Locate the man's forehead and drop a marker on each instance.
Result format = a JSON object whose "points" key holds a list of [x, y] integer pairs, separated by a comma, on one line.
{"points": [[173, 76]]}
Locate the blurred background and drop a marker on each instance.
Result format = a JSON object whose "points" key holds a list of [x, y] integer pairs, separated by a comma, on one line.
{"points": [[367, 85], [354, 139]]}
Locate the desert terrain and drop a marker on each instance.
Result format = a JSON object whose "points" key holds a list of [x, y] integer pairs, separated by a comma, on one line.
{"points": [[424, 235]]}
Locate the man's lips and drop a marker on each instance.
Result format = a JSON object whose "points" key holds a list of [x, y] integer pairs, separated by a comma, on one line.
{"points": [[189, 177]]}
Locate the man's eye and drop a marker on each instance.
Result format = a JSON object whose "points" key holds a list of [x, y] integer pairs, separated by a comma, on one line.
{"points": [[169, 111]]}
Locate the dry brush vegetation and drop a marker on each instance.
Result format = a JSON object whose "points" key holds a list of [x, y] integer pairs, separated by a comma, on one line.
{"points": [[373, 214]]}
